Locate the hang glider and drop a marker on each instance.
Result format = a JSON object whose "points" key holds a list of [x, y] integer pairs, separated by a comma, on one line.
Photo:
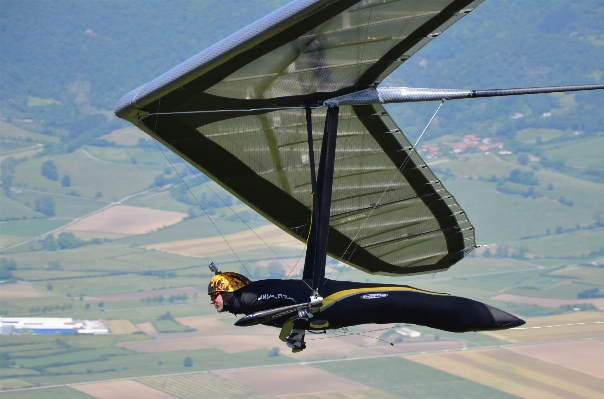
{"points": [[244, 112]]}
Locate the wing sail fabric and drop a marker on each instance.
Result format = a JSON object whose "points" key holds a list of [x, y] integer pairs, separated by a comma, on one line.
{"points": [[390, 214]]}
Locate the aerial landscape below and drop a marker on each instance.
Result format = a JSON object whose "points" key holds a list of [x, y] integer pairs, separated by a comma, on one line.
{"points": [[106, 230]]}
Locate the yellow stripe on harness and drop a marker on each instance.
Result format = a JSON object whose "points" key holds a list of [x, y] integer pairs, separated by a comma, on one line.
{"points": [[324, 324], [333, 298]]}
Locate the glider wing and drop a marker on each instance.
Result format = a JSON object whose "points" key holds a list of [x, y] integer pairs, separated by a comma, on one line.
{"points": [[389, 214]]}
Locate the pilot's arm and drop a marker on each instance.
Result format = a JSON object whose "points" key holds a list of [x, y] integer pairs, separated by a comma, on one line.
{"points": [[276, 297]]}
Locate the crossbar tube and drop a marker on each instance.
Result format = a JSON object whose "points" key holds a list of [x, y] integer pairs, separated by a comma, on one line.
{"points": [[389, 95]]}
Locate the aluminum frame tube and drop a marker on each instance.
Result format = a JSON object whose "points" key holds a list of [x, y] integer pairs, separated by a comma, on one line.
{"points": [[389, 95]]}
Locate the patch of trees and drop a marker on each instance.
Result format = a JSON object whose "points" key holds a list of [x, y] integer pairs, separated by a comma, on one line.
{"points": [[67, 240], [592, 173], [155, 299], [7, 173], [5, 360], [519, 180], [599, 252], [166, 316], [526, 178], [158, 273], [590, 293], [50, 309], [46, 205], [7, 266], [178, 298], [182, 193], [516, 176], [49, 170], [504, 251]]}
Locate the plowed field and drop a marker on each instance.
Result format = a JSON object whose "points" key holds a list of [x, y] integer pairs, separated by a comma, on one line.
{"points": [[216, 246], [123, 219], [14, 291], [516, 374], [121, 390]]}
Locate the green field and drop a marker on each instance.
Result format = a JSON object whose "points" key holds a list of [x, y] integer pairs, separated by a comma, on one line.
{"points": [[562, 290], [582, 152], [76, 357], [66, 206], [586, 274], [114, 181], [500, 217], [575, 244], [530, 136], [170, 326], [107, 257], [396, 376], [138, 365], [9, 131], [12, 209], [31, 228], [11, 146], [57, 306], [127, 155], [119, 284], [49, 393]]}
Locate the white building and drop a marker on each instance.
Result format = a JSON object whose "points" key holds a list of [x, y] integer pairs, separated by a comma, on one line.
{"points": [[407, 332], [51, 325]]}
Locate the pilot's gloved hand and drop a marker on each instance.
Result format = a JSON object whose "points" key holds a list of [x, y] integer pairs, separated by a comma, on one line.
{"points": [[296, 335], [295, 340]]}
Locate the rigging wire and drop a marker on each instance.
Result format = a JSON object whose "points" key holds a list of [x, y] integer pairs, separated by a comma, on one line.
{"points": [[345, 333], [231, 209], [196, 200], [228, 110], [398, 171]]}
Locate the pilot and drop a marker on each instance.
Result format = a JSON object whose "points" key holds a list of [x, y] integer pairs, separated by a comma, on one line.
{"points": [[348, 303], [235, 293]]}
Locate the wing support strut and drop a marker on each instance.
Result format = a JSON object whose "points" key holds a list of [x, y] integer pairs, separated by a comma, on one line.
{"points": [[316, 252]]}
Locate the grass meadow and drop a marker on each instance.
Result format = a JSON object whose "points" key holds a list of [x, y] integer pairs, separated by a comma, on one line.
{"points": [[66, 206], [580, 153], [575, 244], [31, 228], [12, 209], [11, 132], [51, 393], [396, 375], [114, 181]]}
